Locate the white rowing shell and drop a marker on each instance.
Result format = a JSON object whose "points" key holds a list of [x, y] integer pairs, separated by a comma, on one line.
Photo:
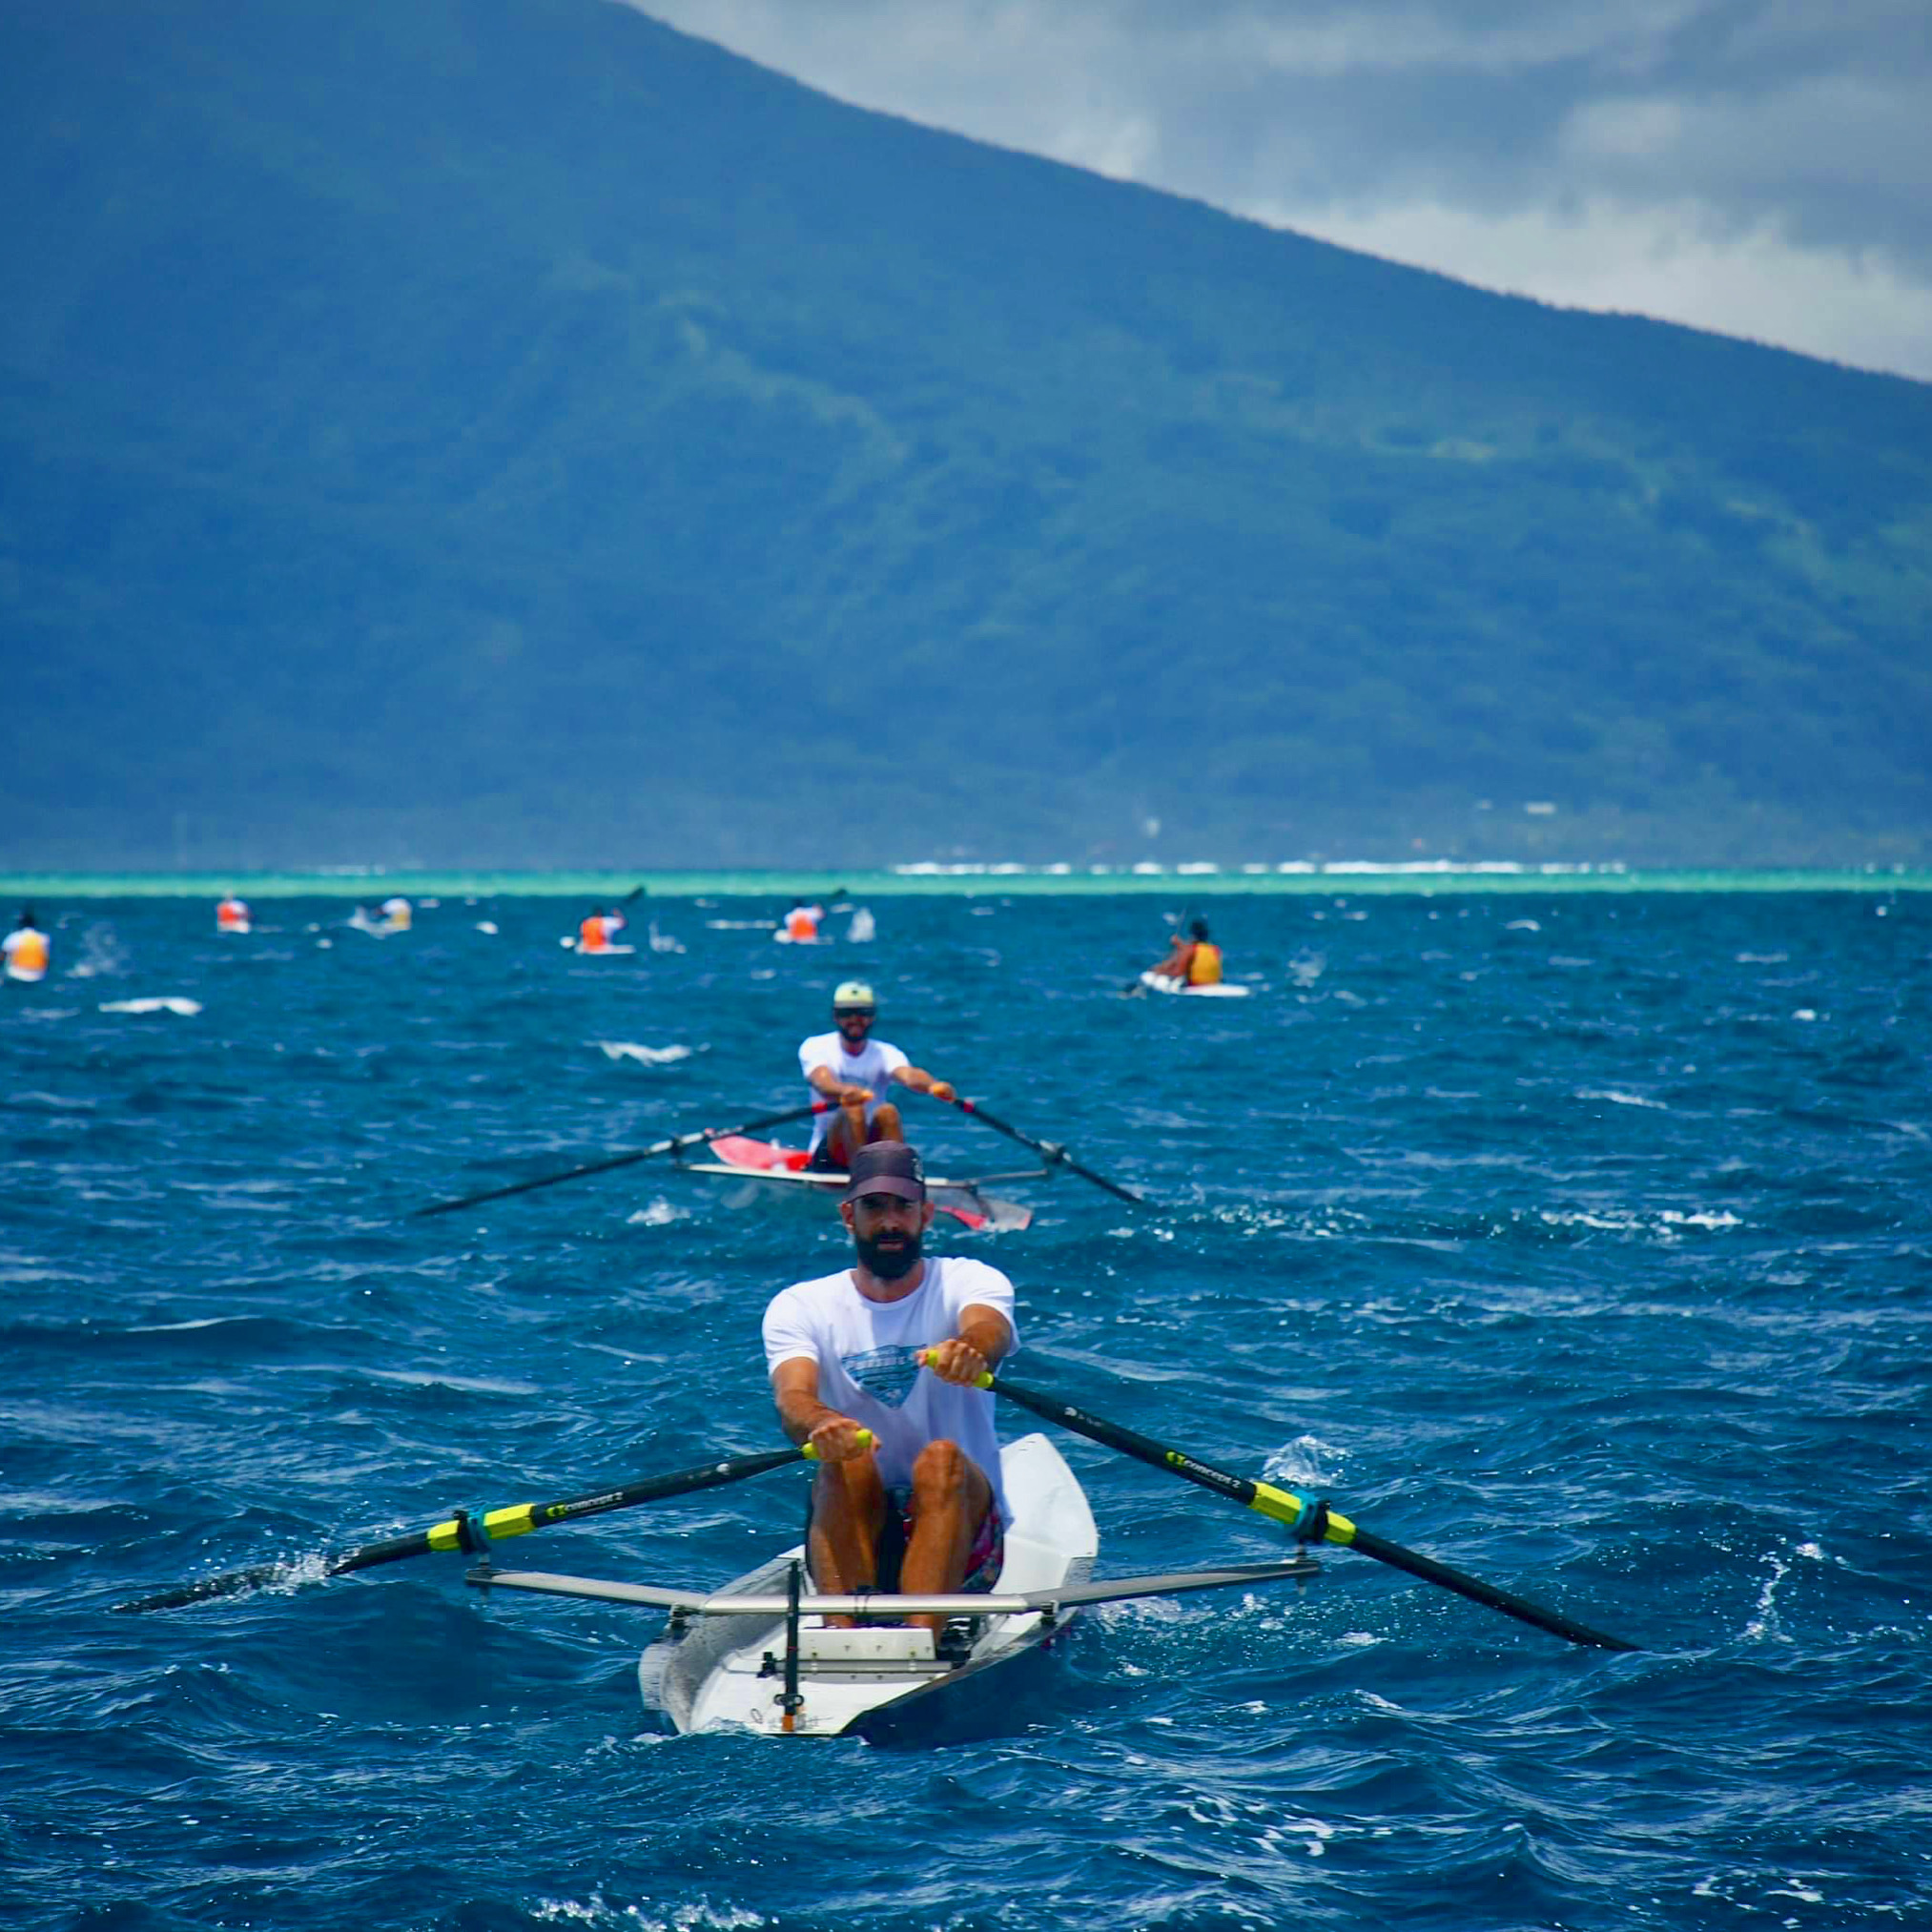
{"points": [[709, 1679]]}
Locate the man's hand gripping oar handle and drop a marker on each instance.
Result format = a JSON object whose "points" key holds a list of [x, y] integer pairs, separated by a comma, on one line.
{"points": [[1308, 1522]]}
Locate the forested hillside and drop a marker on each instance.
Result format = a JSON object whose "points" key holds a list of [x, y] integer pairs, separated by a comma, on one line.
{"points": [[506, 431]]}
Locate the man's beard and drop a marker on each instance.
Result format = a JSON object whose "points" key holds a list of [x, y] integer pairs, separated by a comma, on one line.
{"points": [[893, 1255]]}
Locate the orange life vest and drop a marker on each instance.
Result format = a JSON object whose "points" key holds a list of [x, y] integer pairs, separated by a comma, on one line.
{"points": [[1204, 964], [29, 955], [801, 925], [592, 936], [230, 913]]}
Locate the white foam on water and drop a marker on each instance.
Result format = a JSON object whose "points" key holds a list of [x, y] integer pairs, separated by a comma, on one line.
{"points": [[656, 1214], [1306, 1460], [645, 1056], [1722, 1218], [1805, 1013], [1524, 926], [1765, 1624], [488, 926], [698, 1916], [167, 1002], [1619, 1098]]}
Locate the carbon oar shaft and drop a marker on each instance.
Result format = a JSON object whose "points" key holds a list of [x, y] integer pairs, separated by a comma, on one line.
{"points": [[457, 1534], [670, 1146], [1054, 1152], [1281, 1505]]}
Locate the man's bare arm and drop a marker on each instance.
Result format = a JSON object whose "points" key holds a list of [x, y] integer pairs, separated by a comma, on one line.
{"points": [[922, 1082], [803, 1418], [985, 1337]]}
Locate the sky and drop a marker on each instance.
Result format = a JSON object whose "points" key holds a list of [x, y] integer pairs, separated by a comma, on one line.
{"points": [[1761, 168]]}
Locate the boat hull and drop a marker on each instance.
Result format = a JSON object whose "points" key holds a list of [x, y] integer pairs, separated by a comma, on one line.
{"points": [[740, 1158], [719, 1674], [1165, 982]]}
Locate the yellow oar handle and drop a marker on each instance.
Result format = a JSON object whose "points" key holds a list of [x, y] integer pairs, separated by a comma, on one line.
{"points": [[982, 1380], [810, 1450]]}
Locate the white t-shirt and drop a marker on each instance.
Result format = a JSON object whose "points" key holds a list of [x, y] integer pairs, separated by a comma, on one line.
{"points": [[868, 1357], [872, 1067]]}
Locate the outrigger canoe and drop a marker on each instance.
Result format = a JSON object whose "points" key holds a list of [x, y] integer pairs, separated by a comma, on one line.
{"points": [[739, 1157], [758, 1655]]}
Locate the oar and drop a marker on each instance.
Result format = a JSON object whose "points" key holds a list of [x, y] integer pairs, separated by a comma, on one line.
{"points": [[1050, 1150], [670, 1146], [461, 1531], [1311, 1523]]}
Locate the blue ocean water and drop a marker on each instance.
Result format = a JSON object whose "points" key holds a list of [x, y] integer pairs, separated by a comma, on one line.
{"points": [[1580, 1241]]}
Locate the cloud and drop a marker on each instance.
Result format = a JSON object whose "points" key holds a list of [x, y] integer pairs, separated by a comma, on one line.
{"points": [[1751, 166]]}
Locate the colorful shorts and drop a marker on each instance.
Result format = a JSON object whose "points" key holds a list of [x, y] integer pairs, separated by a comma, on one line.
{"points": [[984, 1560]]}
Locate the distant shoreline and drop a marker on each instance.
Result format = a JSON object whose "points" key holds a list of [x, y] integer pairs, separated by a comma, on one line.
{"points": [[951, 879]]}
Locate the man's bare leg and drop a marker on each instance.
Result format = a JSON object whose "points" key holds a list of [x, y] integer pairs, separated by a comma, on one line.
{"points": [[951, 1497], [848, 1510], [885, 1125], [846, 1135]]}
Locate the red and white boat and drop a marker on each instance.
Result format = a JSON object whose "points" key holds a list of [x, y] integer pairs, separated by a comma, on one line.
{"points": [[738, 1157]]}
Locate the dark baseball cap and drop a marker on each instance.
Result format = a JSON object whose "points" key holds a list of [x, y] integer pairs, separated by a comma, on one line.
{"points": [[887, 1167]]}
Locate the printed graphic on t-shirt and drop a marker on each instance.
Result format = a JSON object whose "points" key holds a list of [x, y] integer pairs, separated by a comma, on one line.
{"points": [[887, 1375]]}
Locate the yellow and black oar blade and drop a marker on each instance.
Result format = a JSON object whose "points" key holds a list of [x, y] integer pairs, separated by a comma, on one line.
{"points": [[461, 1532], [1312, 1522], [674, 1144]]}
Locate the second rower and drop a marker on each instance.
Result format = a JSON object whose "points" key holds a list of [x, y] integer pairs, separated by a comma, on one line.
{"points": [[851, 1067]]}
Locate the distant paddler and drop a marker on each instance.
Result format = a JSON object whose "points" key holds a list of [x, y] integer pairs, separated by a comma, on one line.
{"points": [[232, 914], [801, 924], [397, 915], [598, 931], [25, 950], [853, 1069], [1194, 959]]}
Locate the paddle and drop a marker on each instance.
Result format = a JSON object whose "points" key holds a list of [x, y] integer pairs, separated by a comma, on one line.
{"points": [[1137, 987], [670, 1146], [1311, 1523], [462, 1531], [1051, 1151]]}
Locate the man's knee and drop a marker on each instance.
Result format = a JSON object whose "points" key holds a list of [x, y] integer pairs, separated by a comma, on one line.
{"points": [[940, 1471], [886, 1123]]}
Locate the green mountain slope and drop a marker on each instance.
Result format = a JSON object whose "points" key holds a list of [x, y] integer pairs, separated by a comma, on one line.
{"points": [[508, 431]]}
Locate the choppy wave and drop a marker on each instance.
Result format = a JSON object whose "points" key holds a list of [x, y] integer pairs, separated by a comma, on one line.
{"points": [[1602, 1281]]}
